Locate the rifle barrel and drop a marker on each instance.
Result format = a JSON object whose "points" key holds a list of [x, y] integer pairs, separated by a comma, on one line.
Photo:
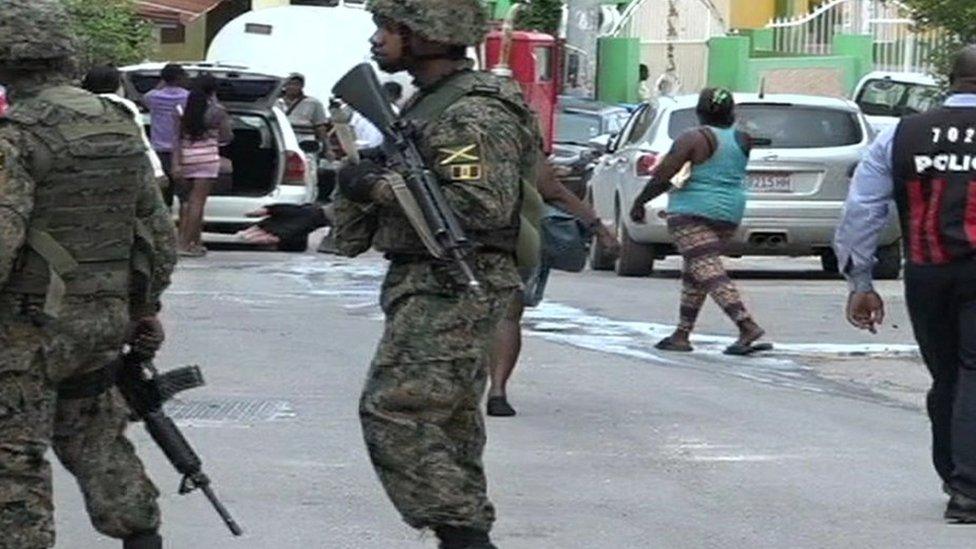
{"points": [[221, 510]]}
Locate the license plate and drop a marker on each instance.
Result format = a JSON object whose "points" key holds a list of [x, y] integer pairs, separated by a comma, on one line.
{"points": [[770, 183]]}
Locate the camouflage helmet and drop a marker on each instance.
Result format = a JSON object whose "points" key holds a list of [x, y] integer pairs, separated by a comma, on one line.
{"points": [[451, 22], [33, 31]]}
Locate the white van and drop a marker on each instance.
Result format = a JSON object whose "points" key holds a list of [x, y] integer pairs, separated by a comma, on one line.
{"points": [[320, 42]]}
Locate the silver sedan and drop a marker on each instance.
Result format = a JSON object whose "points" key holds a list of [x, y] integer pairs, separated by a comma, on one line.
{"points": [[798, 175]]}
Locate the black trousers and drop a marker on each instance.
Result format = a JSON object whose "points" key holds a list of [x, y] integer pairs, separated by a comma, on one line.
{"points": [[942, 306]]}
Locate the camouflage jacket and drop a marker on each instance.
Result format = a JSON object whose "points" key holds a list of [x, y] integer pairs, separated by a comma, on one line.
{"points": [[481, 149], [30, 170]]}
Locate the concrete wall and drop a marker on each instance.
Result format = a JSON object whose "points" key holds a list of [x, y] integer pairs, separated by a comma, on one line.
{"points": [[193, 49], [261, 4], [735, 63]]}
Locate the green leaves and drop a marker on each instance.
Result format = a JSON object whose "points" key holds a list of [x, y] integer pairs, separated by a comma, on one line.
{"points": [[956, 16], [110, 32], [541, 15]]}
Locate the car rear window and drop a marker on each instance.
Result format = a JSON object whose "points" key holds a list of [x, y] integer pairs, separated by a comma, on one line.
{"points": [[785, 126], [229, 89], [575, 127], [884, 97]]}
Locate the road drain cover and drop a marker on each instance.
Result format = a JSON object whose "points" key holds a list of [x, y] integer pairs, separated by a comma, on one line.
{"points": [[230, 410]]}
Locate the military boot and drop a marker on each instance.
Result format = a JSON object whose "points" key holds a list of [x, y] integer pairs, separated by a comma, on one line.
{"points": [[455, 537], [961, 508], [143, 541]]}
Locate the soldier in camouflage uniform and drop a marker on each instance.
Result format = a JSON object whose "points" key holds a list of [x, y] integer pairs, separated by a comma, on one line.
{"points": [[420, 407], [86, 249]]}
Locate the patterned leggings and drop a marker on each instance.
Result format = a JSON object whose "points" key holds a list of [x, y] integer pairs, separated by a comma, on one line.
{"points": [[700, 242]]}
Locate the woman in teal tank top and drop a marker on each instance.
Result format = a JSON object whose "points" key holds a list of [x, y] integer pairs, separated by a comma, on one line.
{"points": [[703, 214]]}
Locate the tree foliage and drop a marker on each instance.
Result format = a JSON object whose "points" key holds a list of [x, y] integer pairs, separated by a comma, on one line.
{"points": [[110, 32], [541, 15], [958, 17]]}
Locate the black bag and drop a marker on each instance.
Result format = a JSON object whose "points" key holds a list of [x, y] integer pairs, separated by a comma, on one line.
{"points": [[565, 240]]}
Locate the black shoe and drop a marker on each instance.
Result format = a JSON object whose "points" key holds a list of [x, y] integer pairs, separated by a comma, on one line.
{"points": [[499, 407], [143, 541], [459, 537], [961, 509]]}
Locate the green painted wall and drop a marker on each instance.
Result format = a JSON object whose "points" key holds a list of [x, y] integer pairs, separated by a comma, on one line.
{"points": [[861, 48], [500, 8], [738, 62], [728, 57], [618, 70]]}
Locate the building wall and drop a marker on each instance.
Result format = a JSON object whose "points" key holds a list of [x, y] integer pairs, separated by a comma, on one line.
{"points": [[193, 49], [261, 4], [755, 14]]}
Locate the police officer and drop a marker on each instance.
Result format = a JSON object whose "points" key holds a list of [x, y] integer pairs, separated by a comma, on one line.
{"points": [[86, 249], [927, 164], [420, 407]]}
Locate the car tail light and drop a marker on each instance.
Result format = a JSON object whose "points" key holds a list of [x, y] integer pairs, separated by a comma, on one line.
{"points": [[294, 169], [646, 164]]}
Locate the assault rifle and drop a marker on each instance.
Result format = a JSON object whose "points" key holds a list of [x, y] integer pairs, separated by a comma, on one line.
{"points": [[145, 391], [423, 202]]}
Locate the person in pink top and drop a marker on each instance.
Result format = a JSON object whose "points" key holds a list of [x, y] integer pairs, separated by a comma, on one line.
{"points": [[203, 128]]}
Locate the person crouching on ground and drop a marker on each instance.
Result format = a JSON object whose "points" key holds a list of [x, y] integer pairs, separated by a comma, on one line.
{"points": [[703, 215]]}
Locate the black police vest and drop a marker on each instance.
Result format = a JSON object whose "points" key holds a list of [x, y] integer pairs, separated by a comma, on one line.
{"points": [[935, 185]]}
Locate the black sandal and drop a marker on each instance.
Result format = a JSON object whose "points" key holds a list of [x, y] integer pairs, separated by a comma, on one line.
{"points": [[746, 349], [668, 344], [499, 407]]}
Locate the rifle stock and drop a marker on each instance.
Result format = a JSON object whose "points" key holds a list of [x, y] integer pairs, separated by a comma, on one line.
{"points": [[361, 90]]}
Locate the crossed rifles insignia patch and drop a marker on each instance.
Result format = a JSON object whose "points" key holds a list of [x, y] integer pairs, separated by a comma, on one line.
{"points": [[462, 163]]}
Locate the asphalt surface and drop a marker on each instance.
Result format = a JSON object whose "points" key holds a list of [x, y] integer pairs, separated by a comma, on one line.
{"points": [[615, 444]]}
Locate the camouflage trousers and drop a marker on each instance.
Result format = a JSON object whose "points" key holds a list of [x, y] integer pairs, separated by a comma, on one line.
{"points": [[87, 434], [420, 409]]}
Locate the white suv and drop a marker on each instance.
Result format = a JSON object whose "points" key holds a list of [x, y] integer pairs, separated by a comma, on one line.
{"points": [[269, 165]]}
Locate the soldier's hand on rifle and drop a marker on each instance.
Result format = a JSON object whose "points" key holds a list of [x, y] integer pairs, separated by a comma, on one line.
{"points": [[146, 335], [362, 182]]}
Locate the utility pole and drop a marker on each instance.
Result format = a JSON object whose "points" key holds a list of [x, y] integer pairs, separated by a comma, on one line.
{"points": [[582, 32]]}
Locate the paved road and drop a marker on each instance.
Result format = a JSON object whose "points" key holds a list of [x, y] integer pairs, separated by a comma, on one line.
{"points": [[615, 446]]}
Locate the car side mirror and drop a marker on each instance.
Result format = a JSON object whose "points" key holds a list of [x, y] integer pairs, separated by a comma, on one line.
{"points": [[602, 143], [310, 147]]}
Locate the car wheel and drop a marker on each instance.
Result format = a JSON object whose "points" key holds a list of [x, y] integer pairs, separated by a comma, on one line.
{"points": [[828, 260], [635, 259], [888, 266], [295, 244]]}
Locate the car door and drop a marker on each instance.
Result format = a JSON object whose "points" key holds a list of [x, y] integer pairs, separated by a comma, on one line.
{"points": [[633, 160], [603, 185]]}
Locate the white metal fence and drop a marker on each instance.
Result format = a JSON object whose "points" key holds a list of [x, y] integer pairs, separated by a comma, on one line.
{"points": [[673, 37], [898, 44]]}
